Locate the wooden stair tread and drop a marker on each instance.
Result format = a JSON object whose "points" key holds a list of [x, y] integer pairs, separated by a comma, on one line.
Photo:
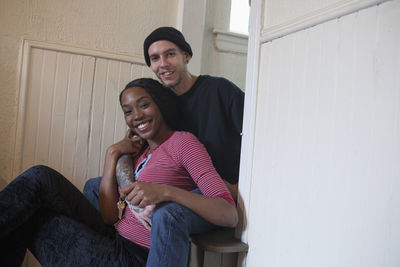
{"points": [[220, 240]]}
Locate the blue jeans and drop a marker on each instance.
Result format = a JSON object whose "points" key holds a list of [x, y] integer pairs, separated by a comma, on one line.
{"points": [[41, 210], [171, 226]]}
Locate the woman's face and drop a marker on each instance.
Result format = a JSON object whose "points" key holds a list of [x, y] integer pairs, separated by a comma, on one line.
{"points": [[143, 116]]}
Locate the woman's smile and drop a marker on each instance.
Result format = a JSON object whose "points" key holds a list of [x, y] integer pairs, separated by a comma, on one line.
{"points": [[143, 115], [142, 126]]}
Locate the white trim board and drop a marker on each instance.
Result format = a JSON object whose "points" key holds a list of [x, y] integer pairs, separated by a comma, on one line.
{"points": [[230, 42], [316, 17], [29, 44], [249, 119]]}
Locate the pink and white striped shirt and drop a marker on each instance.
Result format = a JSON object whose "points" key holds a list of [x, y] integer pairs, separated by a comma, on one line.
{"points": [[182, 161]]}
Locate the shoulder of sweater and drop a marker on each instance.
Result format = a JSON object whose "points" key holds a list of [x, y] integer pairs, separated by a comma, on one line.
{"points": [[180, 143], [182, 136]]}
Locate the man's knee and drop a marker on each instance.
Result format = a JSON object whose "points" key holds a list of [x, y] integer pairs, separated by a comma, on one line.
{"points": [[170, 214], [92, 186], [91, 191], [173, 210]]}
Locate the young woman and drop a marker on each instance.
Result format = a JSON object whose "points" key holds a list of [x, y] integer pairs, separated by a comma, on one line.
{"points": [[41, 210]]}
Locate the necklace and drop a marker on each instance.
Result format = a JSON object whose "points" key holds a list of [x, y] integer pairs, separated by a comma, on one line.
{"points": [[149, 152], [141, 165]]}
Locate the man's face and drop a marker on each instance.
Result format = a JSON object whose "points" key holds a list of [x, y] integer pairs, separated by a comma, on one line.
{"points": [[168, 62]]}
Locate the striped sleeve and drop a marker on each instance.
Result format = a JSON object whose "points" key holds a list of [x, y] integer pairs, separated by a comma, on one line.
{"points": [[196, 160]]}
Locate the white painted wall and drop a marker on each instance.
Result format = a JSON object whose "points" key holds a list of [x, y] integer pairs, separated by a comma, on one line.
{"points": [[324, 188]]}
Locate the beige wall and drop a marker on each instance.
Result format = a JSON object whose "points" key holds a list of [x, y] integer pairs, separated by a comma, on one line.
{"points": [[111, 26]]}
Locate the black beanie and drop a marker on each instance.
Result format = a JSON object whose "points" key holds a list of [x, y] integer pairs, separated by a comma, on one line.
{"points": [[165, 33]]}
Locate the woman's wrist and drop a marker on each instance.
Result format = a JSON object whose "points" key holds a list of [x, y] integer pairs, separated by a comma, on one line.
{"points": [[112, 153], [169, 193]]}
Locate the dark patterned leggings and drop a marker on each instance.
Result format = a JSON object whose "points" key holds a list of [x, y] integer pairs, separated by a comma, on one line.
{"points": [[42, 211]]}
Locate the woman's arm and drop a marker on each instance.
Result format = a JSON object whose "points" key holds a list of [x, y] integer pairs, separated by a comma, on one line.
{"points": [[108, 193], [213, 209], [215, 205]]}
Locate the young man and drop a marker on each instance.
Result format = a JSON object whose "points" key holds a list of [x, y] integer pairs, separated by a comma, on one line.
{"points": [[212, 109]]}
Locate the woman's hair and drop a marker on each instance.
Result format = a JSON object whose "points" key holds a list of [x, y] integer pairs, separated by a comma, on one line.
{"points": [[164, 98]]}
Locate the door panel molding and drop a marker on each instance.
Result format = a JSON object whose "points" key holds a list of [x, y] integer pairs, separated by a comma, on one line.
{"points": [[58, 112]]}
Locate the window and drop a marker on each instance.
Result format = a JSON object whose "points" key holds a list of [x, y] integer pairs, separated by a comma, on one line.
{"points": [[240, 11]]}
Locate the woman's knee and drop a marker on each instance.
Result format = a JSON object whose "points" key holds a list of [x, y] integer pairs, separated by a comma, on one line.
{"points": [[36, 173], [40, 169], [44, 177]]}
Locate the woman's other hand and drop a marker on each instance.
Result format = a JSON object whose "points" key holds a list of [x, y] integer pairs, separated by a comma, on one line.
{"points": [[131, 144]]}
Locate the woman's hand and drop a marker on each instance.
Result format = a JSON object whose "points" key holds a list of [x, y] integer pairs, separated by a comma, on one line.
{"points": [[131, 144], [142, 194], [215, 210]]}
